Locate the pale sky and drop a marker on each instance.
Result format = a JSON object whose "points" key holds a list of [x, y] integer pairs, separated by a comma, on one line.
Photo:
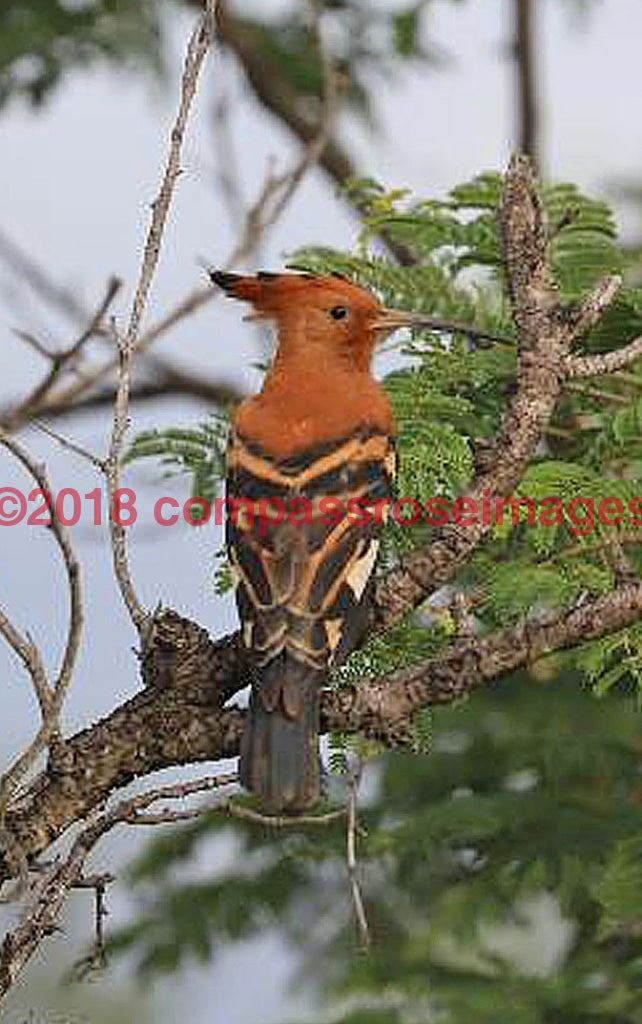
{"points": [[76, 182]]}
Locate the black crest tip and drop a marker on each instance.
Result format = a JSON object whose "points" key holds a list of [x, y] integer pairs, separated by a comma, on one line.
{"points": [[223, 278]]}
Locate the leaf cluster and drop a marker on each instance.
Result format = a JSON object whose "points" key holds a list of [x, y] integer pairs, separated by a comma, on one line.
{"points": [[41, 42]]}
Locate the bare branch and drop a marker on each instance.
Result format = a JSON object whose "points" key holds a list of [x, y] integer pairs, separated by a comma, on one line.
{"points": [[70, 445], [605, 363], [289, 183], [78, 394], [351, 860], [50, 698], [28, 270], [277, 191], [34, 343], [161, 384], [197, 49], [384, 707], [60, 361], [525, 54], [179, 717], [591, 309], [41, 914], [72, 567], [31, 659], [545, 336]]}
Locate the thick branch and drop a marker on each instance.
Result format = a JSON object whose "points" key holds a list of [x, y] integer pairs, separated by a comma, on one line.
{"points": [[179, 718], [383, 708], [175, 720]]}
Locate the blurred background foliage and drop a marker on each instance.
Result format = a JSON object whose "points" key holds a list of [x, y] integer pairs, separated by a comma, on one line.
{"points": [[40, 42], [501, 864], [501, 874]]}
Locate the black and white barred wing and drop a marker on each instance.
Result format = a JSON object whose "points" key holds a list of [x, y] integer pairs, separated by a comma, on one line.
{"points": [[302, 537]]}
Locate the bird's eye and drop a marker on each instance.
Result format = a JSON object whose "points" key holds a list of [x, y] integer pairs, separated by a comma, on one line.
{"points": [[338, 312]]}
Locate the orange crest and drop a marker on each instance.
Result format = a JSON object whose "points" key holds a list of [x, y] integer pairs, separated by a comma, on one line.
{"points": [[274, 294]]}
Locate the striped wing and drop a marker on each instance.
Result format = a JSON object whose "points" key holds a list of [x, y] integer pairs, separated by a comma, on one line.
{"points": [[303, 575]]}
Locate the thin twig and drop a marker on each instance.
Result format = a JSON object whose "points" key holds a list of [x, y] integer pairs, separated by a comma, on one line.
{"points": [[197, 49], [31, 659], [287, 185], [59, 362], [29, 271], [72, 446], [96, 959], [234, 810], [72, 567], [351, 859], [33, 342], [50, 698], [227, 166]]}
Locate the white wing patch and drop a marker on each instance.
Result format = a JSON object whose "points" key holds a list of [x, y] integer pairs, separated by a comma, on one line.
{"points": [[390, 462], [359, 572], [333, 631]]}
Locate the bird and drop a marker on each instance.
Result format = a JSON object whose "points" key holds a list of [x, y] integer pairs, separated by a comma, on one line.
{"points": [[320, 430]]}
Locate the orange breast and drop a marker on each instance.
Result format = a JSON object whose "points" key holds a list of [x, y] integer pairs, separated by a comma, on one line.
{"points": [[296, 412]]}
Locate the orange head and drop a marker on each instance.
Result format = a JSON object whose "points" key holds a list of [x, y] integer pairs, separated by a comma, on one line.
{"points": [[316, 312]]}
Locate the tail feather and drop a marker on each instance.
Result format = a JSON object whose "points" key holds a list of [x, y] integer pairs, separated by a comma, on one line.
{"points": [[280, 752]]}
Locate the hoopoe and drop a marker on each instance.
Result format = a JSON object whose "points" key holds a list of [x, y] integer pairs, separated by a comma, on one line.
{"points": [[315, 442]]}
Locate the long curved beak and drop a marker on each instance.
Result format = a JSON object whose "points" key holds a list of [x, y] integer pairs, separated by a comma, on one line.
{"points": [[392, 319]]}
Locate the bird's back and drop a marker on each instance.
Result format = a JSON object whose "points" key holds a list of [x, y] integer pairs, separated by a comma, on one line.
{"points": [[303, 563]]}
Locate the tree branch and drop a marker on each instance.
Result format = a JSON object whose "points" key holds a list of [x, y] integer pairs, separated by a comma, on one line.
{"points": [[14, 418], [545, 335], [604, 363], [50, 697], [197, 50], [180, 718], [525, 55], [272, 90]]}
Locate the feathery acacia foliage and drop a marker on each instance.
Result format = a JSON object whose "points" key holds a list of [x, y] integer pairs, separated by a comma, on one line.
{"points": [[449, 390]]}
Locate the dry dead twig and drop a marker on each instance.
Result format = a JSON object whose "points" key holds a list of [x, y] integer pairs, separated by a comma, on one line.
{"points": [[197, 50], [50, 696]]}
